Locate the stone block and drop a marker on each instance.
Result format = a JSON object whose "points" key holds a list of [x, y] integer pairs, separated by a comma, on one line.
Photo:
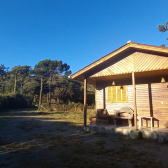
{"points": [[93, 129], [87, 129], [134, 134], [146, 134], [112, 131], [161, 139], [107, 130], [101, 129], [153, 136], [118, 131], [166, 137], [126, 132]]}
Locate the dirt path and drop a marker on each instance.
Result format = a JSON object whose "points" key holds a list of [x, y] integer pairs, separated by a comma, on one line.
{"points": [[28, 139]]}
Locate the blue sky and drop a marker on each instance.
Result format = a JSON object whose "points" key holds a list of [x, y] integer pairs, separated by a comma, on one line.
{"points": [[78, 32]]}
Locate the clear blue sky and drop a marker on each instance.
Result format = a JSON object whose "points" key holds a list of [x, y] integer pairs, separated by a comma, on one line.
{"points": [[77, 32]]}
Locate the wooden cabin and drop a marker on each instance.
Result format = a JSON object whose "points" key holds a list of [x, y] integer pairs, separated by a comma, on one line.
{"points": [[135, 75]]}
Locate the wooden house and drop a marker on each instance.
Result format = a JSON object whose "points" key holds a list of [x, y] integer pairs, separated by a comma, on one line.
{"points": [[134, 75]]}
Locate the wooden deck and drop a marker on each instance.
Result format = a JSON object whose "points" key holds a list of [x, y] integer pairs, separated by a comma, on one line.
{"points": [[160, 134]]}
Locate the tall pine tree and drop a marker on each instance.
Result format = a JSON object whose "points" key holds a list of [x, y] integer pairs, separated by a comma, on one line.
{"points": [[163, 28]]}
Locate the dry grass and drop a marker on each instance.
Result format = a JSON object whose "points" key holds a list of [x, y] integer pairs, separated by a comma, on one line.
{"points": [[48, 140]]}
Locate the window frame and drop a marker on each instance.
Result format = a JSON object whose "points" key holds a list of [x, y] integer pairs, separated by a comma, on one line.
{"points": [[117, 94]]}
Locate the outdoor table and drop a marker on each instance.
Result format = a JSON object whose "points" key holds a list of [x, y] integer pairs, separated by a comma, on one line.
{"points": [[140, 120]]}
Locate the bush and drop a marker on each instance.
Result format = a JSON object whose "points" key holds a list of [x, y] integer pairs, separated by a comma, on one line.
{"points": [[12, 101], [74, 107]]}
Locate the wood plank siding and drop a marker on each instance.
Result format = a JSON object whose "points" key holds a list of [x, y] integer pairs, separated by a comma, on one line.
{"points": [[152, 100], [136, 62], [133, 64]]}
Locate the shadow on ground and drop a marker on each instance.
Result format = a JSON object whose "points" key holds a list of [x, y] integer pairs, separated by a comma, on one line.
{"points": [[43, 140]]}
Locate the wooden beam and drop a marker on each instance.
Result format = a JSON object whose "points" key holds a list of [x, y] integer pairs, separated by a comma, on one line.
{"points": [[104, 98], [150, 100], [134, 96], [85, 102], [95, 98]]}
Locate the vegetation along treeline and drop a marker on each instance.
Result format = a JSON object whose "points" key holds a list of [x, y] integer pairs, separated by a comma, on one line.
{"points": [[47, 83], [163, 28]]}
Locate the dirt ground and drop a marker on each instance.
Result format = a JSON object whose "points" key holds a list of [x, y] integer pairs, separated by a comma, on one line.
{"points": [[32, 139]]}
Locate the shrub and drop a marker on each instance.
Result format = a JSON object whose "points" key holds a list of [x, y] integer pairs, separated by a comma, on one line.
{"points": [[74, 107], [12, 101]]}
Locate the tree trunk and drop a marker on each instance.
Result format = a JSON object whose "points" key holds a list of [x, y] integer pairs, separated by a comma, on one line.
{"points": [[40, 97], [15, 86], [57, 100], [22, 86], [3, 89], [34, 99], [47, 99], [49, 95], [2, 85]]}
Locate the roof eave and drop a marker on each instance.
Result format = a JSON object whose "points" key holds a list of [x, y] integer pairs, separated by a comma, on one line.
{"points": [[80, 75]]}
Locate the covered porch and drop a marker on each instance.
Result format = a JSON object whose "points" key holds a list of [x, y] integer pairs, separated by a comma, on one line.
{"points": [[147, 97], [142, 70]]}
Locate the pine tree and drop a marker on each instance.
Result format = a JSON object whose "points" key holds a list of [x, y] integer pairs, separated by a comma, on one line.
{"points": [[163, 29], [44, 70]]}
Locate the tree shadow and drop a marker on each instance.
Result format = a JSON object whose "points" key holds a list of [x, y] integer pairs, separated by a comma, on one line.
{"points": [[49, 142]]}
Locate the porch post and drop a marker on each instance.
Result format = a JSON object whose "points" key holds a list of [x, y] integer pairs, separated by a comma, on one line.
{"points": [[134, 96], [85, 102], [104, 99], [150, 100]]}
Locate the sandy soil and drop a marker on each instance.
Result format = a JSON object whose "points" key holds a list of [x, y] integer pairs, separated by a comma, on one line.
{"points": [[43, 140]]}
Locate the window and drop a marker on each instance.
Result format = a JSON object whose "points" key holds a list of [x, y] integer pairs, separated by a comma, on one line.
{"points": [[117, 94]]}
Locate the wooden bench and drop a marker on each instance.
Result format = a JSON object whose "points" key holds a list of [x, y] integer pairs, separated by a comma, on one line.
{"points": [[124, 113]]}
